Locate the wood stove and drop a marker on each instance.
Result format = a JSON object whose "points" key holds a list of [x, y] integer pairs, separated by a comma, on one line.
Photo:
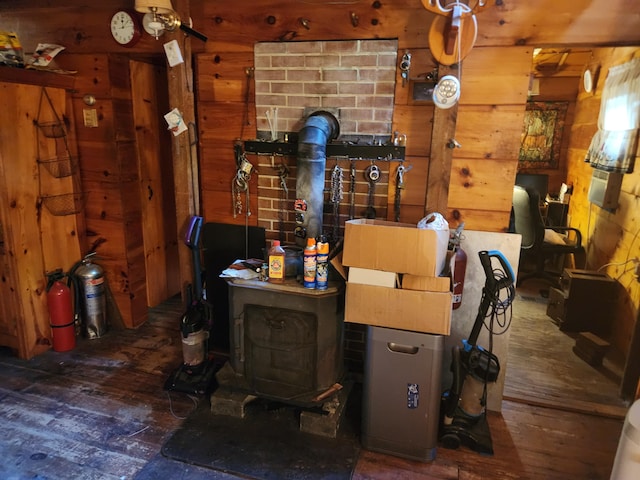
{"points": [[286, 342]]}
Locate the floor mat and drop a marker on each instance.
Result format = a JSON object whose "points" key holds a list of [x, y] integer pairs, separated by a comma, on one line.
{"points": [[266, 444]]}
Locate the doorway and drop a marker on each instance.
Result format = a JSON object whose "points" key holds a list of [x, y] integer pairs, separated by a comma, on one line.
{"points": [[149, 94], [543, 368]]}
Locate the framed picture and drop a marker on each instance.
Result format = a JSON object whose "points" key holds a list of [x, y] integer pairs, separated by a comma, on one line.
{"points": [[542, 135]]}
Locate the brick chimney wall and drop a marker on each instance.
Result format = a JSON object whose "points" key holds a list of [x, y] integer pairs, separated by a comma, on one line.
{"points": [[354, 79]]}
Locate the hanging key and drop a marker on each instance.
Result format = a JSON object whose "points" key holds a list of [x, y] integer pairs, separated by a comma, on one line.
{"points": [[405, 67], [372, 175]]}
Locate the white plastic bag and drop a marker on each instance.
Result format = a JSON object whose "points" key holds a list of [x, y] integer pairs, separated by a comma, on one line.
{"points": [[434, 221]]}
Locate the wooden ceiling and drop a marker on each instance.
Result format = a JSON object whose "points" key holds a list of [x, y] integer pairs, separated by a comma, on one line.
{"points": [[560, 62]]}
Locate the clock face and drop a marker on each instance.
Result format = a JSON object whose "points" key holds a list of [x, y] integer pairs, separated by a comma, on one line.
{"points": [[125, 28]]}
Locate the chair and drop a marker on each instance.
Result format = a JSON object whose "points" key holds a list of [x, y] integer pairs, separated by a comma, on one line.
{"points": [[540, 243]]}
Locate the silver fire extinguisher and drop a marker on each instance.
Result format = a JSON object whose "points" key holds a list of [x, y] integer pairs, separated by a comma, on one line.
{"points": [[91, 296]]}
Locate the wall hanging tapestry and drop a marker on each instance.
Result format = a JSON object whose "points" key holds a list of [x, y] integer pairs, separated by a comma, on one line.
{"points": [[542, 135]]}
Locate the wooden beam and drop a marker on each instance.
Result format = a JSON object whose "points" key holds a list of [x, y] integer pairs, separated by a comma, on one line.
{"points": [[185, 163], [444, 129]]}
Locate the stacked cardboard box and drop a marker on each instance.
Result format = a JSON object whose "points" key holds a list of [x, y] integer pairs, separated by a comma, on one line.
{"points": [[393, 279]]}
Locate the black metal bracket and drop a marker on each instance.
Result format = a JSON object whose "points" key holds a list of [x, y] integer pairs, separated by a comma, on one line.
{"points": [[338, 150]]}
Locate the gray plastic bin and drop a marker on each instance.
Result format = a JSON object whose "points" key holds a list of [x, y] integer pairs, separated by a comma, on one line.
{"points": [[401, 398]]}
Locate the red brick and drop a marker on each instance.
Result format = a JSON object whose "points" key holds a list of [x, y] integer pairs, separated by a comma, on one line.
{"points": [[262, 74], [343, 46], [321, 88], [262, 62], [304, 47], [387, 60], [303, 75], [285, 61], [312, 61], [364, 60], [263, 87], [385, 88], [356, 114], [263, 48], [379, 46], [360, 88], [340, 75], [289, 88], [375, 102], [304, 101], [377, 128]]}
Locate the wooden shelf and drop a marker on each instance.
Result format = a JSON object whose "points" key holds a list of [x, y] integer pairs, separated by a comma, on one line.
{"points": [[36, 77]]}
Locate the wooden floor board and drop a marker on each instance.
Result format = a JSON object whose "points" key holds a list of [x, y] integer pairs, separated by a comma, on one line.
{"points": [[100, 412]]}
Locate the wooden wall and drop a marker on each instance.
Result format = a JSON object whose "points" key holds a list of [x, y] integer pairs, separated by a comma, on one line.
{"points": [[487, 123], [612, 237]]}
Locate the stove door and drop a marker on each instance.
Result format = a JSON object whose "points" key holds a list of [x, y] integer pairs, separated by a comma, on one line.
{"points": [[280, 351]]}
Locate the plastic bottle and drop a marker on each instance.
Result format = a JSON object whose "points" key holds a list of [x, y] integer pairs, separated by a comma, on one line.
{"points": [[322, 263], [276, 263], [309, 264]]}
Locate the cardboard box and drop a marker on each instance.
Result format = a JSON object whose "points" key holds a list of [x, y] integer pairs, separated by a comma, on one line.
{"points": [[373, 277], [394, 247], [427, 312], [426, 284]]}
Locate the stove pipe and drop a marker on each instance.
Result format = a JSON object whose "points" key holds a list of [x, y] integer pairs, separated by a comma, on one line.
{"points": [[319, 128]]}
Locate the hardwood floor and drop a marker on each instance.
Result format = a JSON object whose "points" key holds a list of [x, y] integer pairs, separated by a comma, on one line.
{"points": [[100, 412], [543, 370]]}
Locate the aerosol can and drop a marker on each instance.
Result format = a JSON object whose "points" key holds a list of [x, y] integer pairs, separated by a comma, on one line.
{"points": [[90, 296]]}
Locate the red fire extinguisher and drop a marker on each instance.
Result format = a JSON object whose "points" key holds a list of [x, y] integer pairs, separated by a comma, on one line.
{"points": [[459, 266], [61, 316]]}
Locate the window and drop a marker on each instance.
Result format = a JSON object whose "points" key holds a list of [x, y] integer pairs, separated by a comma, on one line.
{"points": [[613, 147]]}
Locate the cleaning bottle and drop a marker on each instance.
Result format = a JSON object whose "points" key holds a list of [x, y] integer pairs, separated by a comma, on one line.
{"points": [[276, 263], [322, 263], [309, 264]]}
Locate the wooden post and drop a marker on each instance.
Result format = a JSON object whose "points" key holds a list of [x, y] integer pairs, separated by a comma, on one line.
{"points": [[444, 129], [185, 163]]}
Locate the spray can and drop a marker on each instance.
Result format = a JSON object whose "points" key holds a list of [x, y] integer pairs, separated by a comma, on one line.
{"points": [[322, 263], [309, 264], [276, 263]]}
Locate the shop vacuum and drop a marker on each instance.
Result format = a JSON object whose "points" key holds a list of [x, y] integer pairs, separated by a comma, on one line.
{"points": [[463, 409], [195, 375]]}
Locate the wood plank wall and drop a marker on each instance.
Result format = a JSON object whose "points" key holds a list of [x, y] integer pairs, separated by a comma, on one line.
{"points": [[494, 84], [612, 237]]}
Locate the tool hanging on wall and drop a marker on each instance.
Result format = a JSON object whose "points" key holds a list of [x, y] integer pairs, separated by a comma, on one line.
{"points": [[372, 176], [352, 190], [337, 194], [283, 173], [405, 66], [400, 171], [240, 184]]}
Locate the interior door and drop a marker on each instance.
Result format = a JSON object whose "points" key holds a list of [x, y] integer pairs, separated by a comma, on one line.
{"points": [[155, 167]]}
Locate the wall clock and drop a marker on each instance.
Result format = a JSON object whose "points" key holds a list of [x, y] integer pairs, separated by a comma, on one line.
{"points": [[590, 78], [125, 28]]}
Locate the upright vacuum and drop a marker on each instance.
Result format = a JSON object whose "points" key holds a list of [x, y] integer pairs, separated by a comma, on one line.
{"points": [[464, 420], [196, 372]]}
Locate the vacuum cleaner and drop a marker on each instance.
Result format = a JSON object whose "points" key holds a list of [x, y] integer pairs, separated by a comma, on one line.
{"points": [[195, 374], [463, 408]]}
